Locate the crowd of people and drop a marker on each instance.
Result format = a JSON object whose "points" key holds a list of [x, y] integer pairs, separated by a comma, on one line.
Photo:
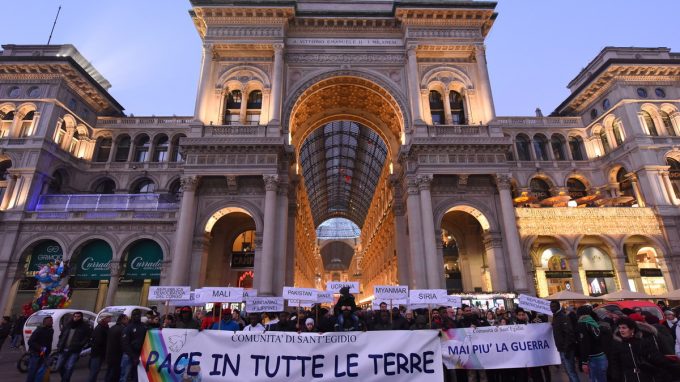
{"points": [[633, 346]]}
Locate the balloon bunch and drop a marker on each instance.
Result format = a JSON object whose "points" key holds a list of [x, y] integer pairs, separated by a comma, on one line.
{"points": [[53, 291]]}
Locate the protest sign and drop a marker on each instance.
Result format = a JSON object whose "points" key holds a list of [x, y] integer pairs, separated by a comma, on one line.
{"points": [[305, 294], [454, 301], [211, 355], [166, 293], [221, 294], [335, 286], [534, 303], [264, 304], [247, 293], [390, 292], [192, 301], [324, 298], [428, 296], [395, 303], [300, 304], [499, 347]]}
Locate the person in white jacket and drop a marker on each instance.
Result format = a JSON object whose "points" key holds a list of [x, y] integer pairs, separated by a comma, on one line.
{"points": [[255, 325]]}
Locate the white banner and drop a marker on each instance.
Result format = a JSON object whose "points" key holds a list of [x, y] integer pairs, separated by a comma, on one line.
{"points": [[166, 293], [395, 303], [306, 294], [300, 304], [212, 355], [192, 301], [454, 301], [247, 293], [391, 292], [428, 296], [499, 347], [221, 294], [534, 303], [335, 286], [264, 304], [324, 298]]}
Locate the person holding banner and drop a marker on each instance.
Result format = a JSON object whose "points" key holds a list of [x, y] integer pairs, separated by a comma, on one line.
{"points": [[255, 325], [227, 322], [565, 339]]}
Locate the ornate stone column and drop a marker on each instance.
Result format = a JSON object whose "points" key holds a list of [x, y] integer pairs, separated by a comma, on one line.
{"points": [[415, 235], [431, 262], [668, 185], [277, 85], [620, 265], [113, 283], [447, 108], [281, 238], [4, 204], [494, 256], [414, 90], [576, 283], [266, 271], [179, 272], [485, 84], [404, 269], [636, 189], [513, 246]]}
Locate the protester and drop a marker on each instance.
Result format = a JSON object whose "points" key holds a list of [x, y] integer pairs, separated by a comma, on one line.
{"points": [[346, 303], [663, 339], [593, 359], [565, 339], [409, 318], [309, 325], [398, 321], [254, 323], [169, 321], [227, 323], [236, 316], [132, 341], [671, 322], [73, 339], [382, 322], [5, 330], [114, 350], [186, 319], [18, 331], [284, 324], [39, 348], [636, 358], [98, 350]]}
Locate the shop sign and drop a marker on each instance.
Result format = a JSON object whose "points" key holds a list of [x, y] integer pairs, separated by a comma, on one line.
{"points": [[557, 274], [599, 273], [44, 253], [142, 267], [650, 272], [242, 259], [95, 262]]}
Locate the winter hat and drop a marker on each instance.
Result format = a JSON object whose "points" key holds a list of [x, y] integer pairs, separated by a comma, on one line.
{"points": [[652, 319], [637, 317], [309, 321]]}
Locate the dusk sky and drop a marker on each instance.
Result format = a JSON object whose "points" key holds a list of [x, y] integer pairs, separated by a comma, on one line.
{"points": [[150, 51]]}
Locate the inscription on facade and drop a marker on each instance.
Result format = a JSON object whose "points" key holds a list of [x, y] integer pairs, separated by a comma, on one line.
{"points": [[586, 221], [345, 41]]}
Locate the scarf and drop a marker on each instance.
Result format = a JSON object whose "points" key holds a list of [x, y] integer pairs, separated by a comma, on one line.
{"points": [[588, 320]]}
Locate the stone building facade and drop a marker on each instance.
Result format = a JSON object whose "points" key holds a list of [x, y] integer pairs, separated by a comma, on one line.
{"points": [[309, 112]]}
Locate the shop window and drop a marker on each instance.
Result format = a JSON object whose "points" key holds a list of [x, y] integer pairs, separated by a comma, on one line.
{"points": [[123, 148], [541, 147], [523, 147], [26, 128], [650, 273], [437, 108], [576, 147], [6, 120], [103, 149], [457, 103], [599, 271], [557, 272], [649, 123], [161, 150]]}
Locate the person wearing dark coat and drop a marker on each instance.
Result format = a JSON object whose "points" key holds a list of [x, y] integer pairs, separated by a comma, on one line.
{"points": [[186, 319], [131, 343], [345, 302], [114, 349], [591, 352], [18, 331], [39, 347], [72, 341], [664, 339], [635, 357], [98, 352], [565, 339], [382, 321], [284, 324], [398, 322]]}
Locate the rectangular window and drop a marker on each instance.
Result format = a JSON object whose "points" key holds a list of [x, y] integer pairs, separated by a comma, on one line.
{"points": [[25, 129]]}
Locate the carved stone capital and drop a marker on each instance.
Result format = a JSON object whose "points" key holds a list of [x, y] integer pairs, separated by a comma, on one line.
{"points": [[411, 49], [412, 187], [189, 183], [271, 182], [424, 182], [278, 48], [503, 182]]}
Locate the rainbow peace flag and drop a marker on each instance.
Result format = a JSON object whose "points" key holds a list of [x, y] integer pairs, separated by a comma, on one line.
{"points": [[155, 342]]}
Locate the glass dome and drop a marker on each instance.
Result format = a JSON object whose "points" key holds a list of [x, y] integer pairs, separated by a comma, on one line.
{"points": [[337, 228]]}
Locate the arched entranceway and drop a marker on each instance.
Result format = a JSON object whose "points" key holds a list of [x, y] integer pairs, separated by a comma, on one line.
{"points": [[231, 254], [648, 272], [465, 260], [141, 268], [34, 258], [90, 274], [598, 274]]}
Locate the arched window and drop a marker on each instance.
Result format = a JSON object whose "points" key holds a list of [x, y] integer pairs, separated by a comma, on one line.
{"points": [[557, 145], [674, 174], [576, 147], [541, 147], [123, 148], [539, 188], [142, 146], [437, 108], [160, 153], [576, 188], [144, 186], [254, 107], [105, 186], [27, 125], [232, 108], [75, 140], [618, 133], [175, 190], [175, 156], [6, 123], [667, 122], [60, 134], [522, 144], [605, 141], [457, 108], [649, 122], [625, 183], [56, 184], [103, 149]]}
